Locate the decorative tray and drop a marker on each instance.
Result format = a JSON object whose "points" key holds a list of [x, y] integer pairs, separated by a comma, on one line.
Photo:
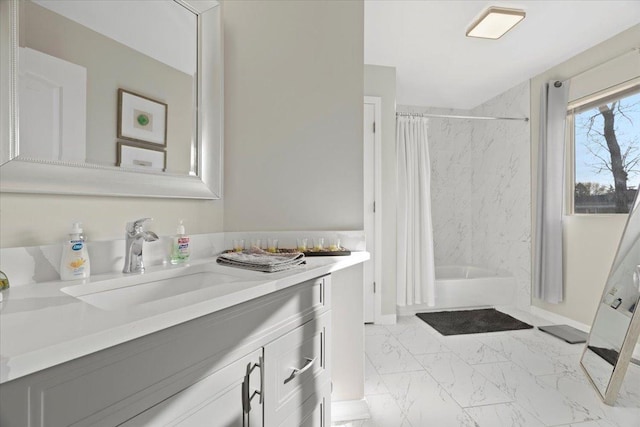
{"points": [[311, 252], [321, 252], [326, 252]]}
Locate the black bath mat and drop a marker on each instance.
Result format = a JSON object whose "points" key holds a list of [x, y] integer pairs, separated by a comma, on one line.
{"points": [[471, 321], [608, 354]]}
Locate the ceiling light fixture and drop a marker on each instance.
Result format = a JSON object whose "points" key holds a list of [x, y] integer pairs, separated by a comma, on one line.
{"points": [[495, 22]]}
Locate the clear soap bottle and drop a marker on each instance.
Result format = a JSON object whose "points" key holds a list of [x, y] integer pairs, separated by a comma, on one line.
{"points": [[180, 249], [75, 257]]}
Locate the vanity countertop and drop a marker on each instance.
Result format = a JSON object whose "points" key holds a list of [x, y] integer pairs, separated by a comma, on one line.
{"points": [[42, 326]]}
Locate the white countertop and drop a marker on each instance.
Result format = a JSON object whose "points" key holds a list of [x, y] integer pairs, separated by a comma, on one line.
{"points": [[42, 326]]}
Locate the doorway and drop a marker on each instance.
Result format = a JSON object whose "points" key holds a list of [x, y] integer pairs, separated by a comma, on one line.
{"points": [[372, 207]]}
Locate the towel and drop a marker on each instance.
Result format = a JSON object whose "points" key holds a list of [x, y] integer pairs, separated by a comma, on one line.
{"points": [[259, 260]]}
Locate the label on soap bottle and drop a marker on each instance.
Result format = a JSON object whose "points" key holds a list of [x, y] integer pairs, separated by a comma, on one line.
{"points": [[183, 245], [181, 251], [75, 262]]}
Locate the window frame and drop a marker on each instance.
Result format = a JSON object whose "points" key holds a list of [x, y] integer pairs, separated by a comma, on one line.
{"points": [[628, 88]]}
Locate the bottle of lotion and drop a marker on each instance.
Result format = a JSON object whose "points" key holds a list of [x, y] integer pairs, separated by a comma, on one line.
{"points": [[180, 250], [75, 257]]}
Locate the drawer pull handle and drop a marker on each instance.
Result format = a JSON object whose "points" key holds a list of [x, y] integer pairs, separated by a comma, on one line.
{"points": [[296, 372]]}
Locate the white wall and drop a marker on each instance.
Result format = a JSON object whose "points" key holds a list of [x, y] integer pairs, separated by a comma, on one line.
{"points": [[33, 220], [293, 102], [381, 81], [590, 243], [293, 140]]}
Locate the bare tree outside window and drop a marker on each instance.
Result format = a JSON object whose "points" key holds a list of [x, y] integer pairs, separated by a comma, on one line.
{"points": [[607, 148]]}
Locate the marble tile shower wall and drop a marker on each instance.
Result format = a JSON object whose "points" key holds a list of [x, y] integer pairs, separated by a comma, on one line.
{"points": [[480, 187], [451, 167], [501, 188]]}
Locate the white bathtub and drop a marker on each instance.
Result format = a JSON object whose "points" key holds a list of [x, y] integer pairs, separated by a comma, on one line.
{"points": [[459, 286]]}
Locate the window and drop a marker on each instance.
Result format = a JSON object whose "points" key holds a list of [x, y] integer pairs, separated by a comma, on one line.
{"points": [[605, 135]]}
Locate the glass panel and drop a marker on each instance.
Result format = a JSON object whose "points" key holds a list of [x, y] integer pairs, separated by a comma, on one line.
{"points": [[75, 58], [613, 334], [607, 155]]}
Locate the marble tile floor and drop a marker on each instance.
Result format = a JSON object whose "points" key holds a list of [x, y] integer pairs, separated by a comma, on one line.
{"points": [[416, 377]]}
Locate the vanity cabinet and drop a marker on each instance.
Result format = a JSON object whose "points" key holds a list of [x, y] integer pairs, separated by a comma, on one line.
{"points": [[265, 362]]}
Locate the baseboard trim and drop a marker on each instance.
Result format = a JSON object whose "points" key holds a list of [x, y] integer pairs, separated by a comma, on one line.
{"points": [[386, 319], [557, 318], [350, 410]]}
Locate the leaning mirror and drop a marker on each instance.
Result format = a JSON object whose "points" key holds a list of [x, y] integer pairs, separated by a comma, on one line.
{"points": [[110, 97], [612, 347]]}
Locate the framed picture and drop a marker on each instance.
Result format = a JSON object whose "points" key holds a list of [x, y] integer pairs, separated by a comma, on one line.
{"points": [[135, 156], [141, 119]]}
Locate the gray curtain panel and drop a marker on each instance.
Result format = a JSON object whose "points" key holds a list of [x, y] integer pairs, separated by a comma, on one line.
{"points": [[547, 272]]}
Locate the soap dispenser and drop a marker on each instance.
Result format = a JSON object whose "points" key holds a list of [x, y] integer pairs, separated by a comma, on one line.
{"points": [[75, 257], [4, 282], [180, 249]]}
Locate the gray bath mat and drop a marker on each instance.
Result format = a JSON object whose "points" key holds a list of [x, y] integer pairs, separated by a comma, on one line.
{"points": [[471, 321], [566, 333]]}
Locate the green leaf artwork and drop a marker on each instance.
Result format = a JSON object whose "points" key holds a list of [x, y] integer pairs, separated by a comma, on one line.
{"points": [[143, 119]]}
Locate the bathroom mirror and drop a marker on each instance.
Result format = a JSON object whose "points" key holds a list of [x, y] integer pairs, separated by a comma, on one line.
{"points": [[107, 97], [612, 347]]}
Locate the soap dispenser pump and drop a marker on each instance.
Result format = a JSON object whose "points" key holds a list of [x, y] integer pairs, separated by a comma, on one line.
{"points": [[75, 257], [180, 249]]}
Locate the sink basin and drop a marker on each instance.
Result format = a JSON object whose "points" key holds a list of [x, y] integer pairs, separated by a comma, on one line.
{"points": [[179, 285]]}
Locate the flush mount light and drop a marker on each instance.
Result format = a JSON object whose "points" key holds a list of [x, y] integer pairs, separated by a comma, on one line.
{"points": [[495, 22]]}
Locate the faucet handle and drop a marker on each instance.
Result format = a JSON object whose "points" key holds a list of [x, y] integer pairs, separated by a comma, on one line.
{"points": [[136, 225]]}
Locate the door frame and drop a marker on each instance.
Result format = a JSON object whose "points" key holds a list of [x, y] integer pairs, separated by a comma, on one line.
{"points": [[377, 218]]}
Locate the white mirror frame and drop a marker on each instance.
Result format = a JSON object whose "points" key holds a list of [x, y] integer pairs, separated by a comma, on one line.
{"points": [[51, 177]]}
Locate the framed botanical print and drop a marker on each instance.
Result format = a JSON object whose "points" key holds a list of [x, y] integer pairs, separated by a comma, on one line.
{"points": [[141, 119]]}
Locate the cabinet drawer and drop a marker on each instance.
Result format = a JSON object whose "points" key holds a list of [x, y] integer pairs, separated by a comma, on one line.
{"points": [[296, 367]]}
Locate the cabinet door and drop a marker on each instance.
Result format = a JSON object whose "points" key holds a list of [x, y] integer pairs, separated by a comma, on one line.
{"points": [[225, 398], [296, 367], [314, 412]]}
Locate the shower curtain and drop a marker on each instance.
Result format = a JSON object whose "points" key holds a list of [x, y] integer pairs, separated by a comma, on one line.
{"points": [[415, 277]]}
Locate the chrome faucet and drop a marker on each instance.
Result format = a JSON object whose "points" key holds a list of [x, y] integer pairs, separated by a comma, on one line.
{"points": [[135, 236]]}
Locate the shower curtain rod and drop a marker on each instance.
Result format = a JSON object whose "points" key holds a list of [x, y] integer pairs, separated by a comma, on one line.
{"points": [[455, 116]]}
